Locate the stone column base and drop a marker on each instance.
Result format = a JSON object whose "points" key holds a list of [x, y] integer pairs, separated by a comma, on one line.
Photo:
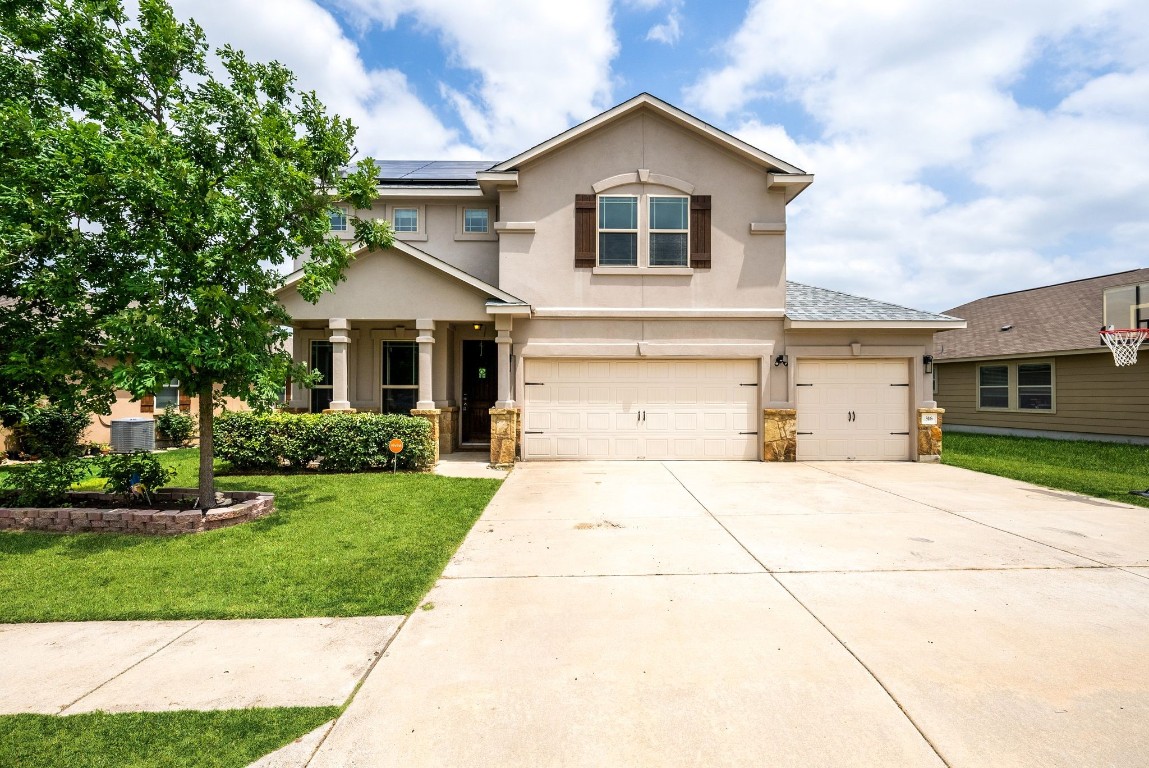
{"points": [[779, 434], [348, 409], [930, 435], [432, 416], [504, 437], [448, 429]]}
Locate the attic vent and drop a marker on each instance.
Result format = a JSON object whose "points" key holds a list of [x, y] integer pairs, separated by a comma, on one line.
{"points": [[133, 434], [1007, 327]]}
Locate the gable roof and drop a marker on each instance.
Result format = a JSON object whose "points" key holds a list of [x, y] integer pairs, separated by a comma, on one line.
{"points": [[676, 115], [1054, 318], [501, 296], [808, 304]]}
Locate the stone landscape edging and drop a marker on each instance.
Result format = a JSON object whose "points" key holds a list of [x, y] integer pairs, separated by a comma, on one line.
{"points": [[249, 505]]}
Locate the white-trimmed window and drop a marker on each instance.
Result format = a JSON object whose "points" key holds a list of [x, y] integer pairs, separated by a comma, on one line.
{"points": [[669, 224], [337, 216], [1016, 386], [399, 376], [168, 396], [476, 221], [618, 230], [405, 220]]}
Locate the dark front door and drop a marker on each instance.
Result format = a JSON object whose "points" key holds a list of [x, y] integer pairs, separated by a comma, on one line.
{"points": [[480, 366]]}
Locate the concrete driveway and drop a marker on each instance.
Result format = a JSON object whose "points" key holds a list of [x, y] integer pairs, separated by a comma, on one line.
{"points": [[675, 614]]}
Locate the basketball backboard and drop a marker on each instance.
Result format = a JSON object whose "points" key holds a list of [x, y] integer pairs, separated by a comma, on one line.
{"points": [[1127, 306]]}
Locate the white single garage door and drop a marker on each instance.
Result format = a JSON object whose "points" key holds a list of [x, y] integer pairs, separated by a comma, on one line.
{"points": [[853, 409], [640, 409]]}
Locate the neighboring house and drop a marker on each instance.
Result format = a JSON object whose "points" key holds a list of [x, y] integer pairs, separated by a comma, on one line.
{"points": [[148, 406], [616, 292], [1032, 363]]}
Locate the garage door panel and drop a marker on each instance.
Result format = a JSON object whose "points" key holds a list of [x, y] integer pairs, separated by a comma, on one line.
{"points": [[873, 391], [641, 409]]}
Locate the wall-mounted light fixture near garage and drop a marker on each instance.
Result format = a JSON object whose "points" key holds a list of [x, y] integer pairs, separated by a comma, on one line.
{"points": [[928, 362], [781, 360], [477, 326]]}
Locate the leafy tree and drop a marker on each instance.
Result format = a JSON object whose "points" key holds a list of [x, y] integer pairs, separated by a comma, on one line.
{"points": [[177, 183]]}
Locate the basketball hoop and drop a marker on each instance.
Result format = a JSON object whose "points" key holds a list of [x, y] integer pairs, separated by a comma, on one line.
{"points": [[1124, 343]]}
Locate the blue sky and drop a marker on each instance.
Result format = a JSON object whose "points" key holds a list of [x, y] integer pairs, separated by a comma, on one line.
{"points": [[959, 150]]}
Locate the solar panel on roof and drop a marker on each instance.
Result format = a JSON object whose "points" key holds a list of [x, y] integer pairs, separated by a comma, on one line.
{"points": [[431, 170]]}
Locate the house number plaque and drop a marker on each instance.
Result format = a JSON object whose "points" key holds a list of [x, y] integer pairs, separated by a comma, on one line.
{"points": [[929, 419]]}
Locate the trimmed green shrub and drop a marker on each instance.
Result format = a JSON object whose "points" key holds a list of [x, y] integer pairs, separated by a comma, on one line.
{"points": [[51, 433], [339, 442], [45, 482], [121, 471], [175, 426]]}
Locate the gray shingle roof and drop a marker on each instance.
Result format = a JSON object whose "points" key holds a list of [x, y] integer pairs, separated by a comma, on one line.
{"points": [[1053, 318], [806, 302], [430, 171]]}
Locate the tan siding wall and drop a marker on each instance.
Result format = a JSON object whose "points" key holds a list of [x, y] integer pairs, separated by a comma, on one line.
{"points": [[1092, 395]]}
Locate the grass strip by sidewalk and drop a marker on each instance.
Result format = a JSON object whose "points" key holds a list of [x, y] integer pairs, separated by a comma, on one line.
{"points": [[1104, 470], [367, 544], [222, 739]]}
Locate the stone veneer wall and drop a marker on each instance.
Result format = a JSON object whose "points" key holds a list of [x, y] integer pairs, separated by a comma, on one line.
{"points": [[930, 436], [448, 429], [504, 436], [251, 505], [779, 434], [432, 415]]}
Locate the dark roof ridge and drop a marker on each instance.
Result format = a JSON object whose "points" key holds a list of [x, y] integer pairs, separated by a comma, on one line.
{"points": [[1053, 285]]}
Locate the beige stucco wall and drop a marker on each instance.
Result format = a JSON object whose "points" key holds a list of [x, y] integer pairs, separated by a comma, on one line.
{"points": [[390, 284], [100, 430], [1091, 395], [441, 235], [538, 267]]}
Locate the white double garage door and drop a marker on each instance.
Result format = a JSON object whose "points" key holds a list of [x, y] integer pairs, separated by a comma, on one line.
{"points": [[593, 409]]}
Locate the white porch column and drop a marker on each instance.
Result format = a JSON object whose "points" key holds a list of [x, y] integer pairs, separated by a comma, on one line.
{"points": [[503, 339], [340, 344], [426, 339]]}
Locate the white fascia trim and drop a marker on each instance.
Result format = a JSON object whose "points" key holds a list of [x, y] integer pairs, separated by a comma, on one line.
{"points": [[767, 228], [791, 184], [1022, 356], [415, 193], [653, 312], [492, 182], [511, 310], [909, 325], [674, 113], [430, 261]]}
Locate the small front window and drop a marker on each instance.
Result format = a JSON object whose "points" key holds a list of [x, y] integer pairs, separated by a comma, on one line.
{"points": [[338, 218], [406, 220], [476, 221], [322, 390], [618, 231], [169, 396], [400, 376], [669, 230], [993, 386], [1035, 386]]}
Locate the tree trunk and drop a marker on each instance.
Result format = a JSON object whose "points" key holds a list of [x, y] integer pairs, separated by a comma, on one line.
{"points": [[206, 452]]}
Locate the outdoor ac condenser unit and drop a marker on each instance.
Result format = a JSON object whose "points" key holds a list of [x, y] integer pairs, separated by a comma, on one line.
{"points": [[133, 434]]}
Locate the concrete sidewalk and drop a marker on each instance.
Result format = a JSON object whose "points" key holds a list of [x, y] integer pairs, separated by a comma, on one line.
{"points": [[152, 666]]}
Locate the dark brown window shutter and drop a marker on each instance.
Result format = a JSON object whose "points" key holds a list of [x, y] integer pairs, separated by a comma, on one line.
{"points": [[185, 402], [585, 231], [148, 404], [700, 231]]}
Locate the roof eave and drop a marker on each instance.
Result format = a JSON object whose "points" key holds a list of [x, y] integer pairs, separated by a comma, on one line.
{"points": [[909, 325]]}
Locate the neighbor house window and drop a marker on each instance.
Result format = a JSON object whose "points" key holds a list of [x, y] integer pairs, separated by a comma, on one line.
{"points": [[1016, 386], [405, 219], [338, 218], [993, 386], [1035, 386], [400, 376], [669, 231], [618, 231], [476, 221], [321, 391]]}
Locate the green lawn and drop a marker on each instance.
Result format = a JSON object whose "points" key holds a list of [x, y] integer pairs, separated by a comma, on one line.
{"points": [[1104, 470], [338, 545], [230, 738]]}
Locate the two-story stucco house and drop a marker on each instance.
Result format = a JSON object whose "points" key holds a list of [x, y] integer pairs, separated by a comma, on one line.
{"points": [[616, 292]]}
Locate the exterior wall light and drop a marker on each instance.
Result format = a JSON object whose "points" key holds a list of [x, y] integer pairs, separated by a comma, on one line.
{"points": [[781, 360], [928, 362]]}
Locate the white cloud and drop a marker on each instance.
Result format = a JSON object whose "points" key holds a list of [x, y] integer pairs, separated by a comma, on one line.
{"points": [[542, 66], [392, 121], [901, 92], [669, 31]]}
